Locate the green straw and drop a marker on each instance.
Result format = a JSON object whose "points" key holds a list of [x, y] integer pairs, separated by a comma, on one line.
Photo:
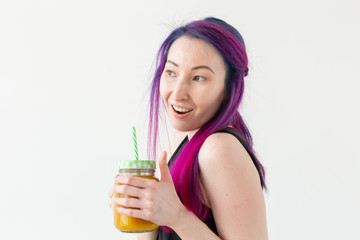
{"points": [[135, 144]]}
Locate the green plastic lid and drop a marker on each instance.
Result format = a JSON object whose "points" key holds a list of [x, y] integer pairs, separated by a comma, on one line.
{"points": [[137, 164]]}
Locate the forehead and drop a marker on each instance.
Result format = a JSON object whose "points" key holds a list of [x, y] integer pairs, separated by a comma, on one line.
{"points": [[192, 51]]}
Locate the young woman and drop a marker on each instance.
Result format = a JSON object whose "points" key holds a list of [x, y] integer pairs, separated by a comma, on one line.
{"points": [[211, 187]]}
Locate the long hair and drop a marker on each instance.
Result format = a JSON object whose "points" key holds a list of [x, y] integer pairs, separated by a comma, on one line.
{"points": [[185, 171]]}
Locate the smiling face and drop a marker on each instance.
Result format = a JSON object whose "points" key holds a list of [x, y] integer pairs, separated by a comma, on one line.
{"points": [[192, 84]]}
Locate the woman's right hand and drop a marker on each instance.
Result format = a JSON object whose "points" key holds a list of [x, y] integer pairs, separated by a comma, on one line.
{"points": [[140, 236]]}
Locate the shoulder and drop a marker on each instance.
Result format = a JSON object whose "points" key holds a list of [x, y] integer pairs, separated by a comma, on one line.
{"points": [[232, 187], [222, 153], [222, 145]]}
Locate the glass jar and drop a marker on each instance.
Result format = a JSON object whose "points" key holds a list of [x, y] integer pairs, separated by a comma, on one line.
{"points": [[131, 224]]}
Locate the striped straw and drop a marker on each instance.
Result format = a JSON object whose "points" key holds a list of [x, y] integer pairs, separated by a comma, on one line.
{"points": [[136, 154]]}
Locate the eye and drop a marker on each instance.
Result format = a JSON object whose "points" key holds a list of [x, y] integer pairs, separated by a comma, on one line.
{"points": [[199, 78], [170, 73]]}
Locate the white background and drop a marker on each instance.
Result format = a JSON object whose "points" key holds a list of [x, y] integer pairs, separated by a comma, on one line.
{"points": [[74, 77]]}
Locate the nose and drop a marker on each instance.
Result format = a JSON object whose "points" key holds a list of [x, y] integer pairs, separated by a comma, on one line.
{"points": [[180, 91]]}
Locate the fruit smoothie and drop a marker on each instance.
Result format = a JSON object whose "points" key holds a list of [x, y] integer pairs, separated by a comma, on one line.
{"points": [[131, 224]]}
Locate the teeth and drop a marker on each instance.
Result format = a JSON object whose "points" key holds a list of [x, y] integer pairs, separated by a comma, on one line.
{"points": [[183, 110]]}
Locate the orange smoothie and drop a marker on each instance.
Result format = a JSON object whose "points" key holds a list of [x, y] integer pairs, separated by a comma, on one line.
{"points": [[131, 224]]}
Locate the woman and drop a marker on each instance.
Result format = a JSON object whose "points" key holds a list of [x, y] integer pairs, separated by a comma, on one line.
{"points": [[213, 189]]}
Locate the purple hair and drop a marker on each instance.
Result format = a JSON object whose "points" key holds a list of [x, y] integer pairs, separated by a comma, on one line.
{"points": [[185, 171]]}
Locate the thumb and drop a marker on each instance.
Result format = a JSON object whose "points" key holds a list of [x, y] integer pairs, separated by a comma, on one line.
{"points": [[164, 169]]}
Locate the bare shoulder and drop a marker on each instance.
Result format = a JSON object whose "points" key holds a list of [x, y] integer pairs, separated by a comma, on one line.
{"points": [[223, 153], [232, 187], [220, 146]]}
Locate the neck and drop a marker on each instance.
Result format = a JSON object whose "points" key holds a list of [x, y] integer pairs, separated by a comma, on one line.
{"points": [[190, 134]]}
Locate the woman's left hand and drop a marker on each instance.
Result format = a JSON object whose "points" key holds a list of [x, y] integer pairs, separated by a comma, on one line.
{"points": [[154, 201]]}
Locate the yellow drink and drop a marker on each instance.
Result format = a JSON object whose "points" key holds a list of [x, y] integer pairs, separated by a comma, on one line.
{"points": [[131, 224]]}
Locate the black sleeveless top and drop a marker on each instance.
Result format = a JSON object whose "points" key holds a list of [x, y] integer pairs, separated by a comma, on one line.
{"points": [[210, 222]]}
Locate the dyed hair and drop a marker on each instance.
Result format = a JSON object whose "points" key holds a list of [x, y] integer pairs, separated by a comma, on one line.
{"points": [[185, 171]]}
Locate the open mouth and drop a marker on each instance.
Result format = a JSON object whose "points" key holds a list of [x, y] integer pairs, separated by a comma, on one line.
{"points": [[180, 110]]}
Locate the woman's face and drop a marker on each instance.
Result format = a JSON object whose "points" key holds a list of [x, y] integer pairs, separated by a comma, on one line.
{"points": [[192, 84]]}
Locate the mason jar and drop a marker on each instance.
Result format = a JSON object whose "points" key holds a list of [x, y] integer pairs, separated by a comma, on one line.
{"points": [[132, 224]]}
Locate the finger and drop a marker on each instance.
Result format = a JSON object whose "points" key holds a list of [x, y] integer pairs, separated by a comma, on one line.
{"points": [[134, 181], [164, 169], [128, 190], [127, 202], [137, 213], [111, 192]]}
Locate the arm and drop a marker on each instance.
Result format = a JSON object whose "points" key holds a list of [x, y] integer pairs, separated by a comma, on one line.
{"points": [[147, 236], [232, 187]]}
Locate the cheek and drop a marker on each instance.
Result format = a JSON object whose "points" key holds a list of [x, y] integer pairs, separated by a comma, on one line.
{"points": [[217, 101], [222, 97]]}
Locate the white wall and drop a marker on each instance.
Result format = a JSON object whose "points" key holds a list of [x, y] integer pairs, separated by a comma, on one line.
{"points": [[73, 79]]}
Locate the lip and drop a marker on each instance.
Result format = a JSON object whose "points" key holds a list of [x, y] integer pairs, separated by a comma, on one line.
{"points": [[178, 115]]}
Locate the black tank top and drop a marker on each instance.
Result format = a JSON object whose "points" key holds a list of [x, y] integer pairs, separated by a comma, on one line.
{"points": [[210, 222]]}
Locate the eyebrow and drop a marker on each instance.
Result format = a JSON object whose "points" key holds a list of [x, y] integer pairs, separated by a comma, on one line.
{"points": [[194, 68]]}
